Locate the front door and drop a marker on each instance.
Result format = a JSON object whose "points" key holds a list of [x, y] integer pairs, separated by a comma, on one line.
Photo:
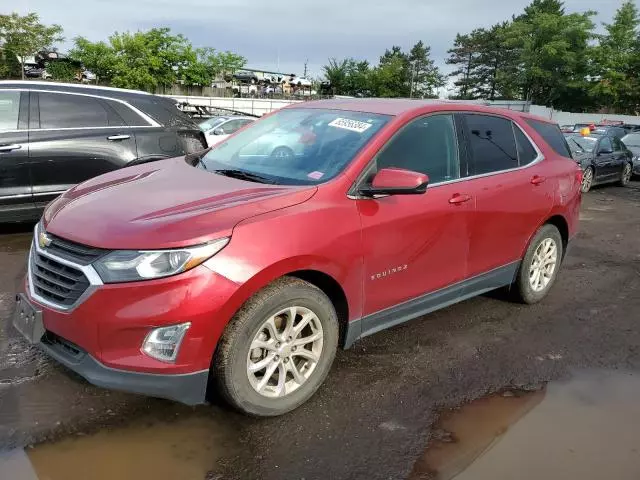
{"points": [[73, 138], [418, 244], [605, 161], [16, 202]]}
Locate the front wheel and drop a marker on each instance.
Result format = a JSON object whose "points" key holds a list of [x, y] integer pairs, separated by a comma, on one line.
{"points": [[540, 265], [278, 349], [626, 175]]}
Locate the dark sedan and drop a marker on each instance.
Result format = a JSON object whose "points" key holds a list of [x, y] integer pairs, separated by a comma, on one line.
{"points": [[632, 142], [604, 159]]}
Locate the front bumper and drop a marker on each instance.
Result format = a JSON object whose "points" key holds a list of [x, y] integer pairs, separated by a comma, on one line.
{"points": [[188, 388]]}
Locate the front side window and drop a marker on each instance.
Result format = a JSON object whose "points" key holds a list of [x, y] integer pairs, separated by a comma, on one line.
{"points": [[59, 110], [212, 123], [492, 143], [232, 126], [9, 110], [426, 145], [299, 146], [605, 145]]}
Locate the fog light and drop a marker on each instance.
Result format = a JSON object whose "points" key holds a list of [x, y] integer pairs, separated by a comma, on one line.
{"points": [[163, 343]]}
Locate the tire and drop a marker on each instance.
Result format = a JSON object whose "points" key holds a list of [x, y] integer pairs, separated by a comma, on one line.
{"points": [[587, 180], [627, 172], [235, 355], [523, 288]]}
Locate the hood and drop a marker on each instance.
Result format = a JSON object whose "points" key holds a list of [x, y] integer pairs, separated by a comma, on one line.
{"points": [[162, 204]]}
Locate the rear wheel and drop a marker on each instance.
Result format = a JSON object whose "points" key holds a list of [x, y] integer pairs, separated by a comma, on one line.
{"points": [[626, 175], [587, 180], [540, 266], [278, 349]]}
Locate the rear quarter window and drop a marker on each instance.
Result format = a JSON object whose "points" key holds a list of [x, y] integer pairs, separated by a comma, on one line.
{"points": [[551, 134]]}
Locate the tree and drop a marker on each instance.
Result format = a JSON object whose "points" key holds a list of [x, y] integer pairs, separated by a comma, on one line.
{"points": [[425, 75], [63, 71], [98, 57], [25, 35], [464, 55], [336, 73], [616, 60], [9, 64], [553, 50]]}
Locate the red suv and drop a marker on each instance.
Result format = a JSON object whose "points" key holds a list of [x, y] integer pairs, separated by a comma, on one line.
{"points": [[247, 266]]}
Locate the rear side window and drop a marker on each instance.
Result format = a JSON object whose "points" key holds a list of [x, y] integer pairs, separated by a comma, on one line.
{"points": [[59, 110], [492, 142], [617, 145], [9, 110], [552, 135], [526, 152]]}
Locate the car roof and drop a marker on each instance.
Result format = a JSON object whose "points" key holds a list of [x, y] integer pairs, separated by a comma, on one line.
{"points": [[120, 93], [401, 106]]}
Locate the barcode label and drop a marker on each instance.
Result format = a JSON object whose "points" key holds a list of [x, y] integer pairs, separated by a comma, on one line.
{"points": [[353, 125]]}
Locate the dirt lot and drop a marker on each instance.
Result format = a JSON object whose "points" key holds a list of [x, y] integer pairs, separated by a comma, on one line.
{"points": [[378, 409]]}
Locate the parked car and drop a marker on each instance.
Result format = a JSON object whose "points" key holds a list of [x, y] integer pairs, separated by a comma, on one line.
{"points": [[611, 131], [71, 133], [217, 129], [216, 268], [603, 159], [578, 127], [632, 142], [300, 82], [245, 76], [567, 128]]}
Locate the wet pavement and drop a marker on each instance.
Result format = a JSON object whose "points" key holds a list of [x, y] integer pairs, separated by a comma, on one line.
{"points": [[386, 399]]}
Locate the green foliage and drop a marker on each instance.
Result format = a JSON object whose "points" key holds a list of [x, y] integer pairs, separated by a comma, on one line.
{"points": [[9, 64], [616, 62], [398, 74], [25, 35], [148, 60], [63, 71]]}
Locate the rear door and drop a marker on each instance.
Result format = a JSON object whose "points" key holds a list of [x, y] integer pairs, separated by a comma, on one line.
{"points": [[16, 200], [512, 192], [74, 137]]}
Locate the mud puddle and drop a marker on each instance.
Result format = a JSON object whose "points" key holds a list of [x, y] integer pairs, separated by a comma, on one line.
{"points": [[585, 428], [185, 449]]}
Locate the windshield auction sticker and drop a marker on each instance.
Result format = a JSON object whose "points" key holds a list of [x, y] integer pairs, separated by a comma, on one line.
{"points": [[353, 125]]}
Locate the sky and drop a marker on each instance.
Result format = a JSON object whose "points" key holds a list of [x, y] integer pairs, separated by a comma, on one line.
{"points": [[272, 33]]}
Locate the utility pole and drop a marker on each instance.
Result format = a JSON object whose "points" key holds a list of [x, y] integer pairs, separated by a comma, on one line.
{"points": [[305, 68]]}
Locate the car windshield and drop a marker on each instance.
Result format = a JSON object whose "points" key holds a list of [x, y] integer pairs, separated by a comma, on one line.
{"points": [[301, 146], [582, 144], [211, 123], [632, 140]]}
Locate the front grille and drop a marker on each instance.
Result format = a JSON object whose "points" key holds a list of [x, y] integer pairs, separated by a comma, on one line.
{"points": [[74, 252], [56, 282]]}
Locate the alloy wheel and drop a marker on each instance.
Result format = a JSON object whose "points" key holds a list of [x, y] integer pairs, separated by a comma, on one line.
{"points": [[587, 180], [543, 264], [285, 351], [626, 174]]}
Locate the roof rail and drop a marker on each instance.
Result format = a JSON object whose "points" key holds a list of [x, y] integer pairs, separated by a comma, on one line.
{"points": [[72, 85]]}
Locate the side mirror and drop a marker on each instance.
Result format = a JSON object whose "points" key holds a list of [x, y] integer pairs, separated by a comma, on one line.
{"points": [[396, 181], [218, 131]]}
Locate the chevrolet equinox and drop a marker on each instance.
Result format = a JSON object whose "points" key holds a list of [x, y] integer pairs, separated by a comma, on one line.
{"points": [[245, 267]]}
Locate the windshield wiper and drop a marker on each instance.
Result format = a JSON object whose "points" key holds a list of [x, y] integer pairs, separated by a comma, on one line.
{"points": [[579, 146], [243, 175]]}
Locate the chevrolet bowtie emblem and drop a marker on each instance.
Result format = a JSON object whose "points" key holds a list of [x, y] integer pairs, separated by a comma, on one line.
{"points": [[44, 240]]}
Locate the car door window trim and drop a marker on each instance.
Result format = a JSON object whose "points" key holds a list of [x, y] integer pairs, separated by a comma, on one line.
{"points": [[352, 193], [151, 123]]}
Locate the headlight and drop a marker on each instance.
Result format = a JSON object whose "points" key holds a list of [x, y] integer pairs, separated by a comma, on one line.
{"points": [[133, 265]]}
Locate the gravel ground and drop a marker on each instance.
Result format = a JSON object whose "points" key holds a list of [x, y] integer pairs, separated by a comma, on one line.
{"points": [[375, 414]]}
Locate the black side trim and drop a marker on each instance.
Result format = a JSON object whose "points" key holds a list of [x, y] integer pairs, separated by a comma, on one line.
{"points": [[431, 302]]}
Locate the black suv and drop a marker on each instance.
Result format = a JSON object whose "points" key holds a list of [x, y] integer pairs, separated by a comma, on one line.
{"points": [[53, 136]]}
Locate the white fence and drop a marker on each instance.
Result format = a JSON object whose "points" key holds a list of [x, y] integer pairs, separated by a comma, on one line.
{"points": [[251, 106], [566, 118]]}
